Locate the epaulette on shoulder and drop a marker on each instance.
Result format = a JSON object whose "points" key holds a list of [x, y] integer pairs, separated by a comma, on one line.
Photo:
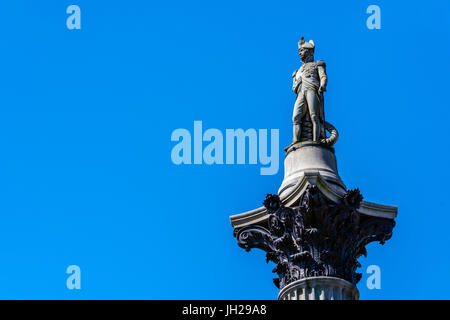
{"points": [[321, 63], [294, 73]]}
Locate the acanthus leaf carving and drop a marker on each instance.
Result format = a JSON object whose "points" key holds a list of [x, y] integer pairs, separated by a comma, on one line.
{"points": [[317, 238]]}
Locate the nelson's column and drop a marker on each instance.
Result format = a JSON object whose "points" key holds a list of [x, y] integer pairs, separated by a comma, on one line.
{"points": [[315, 229]]}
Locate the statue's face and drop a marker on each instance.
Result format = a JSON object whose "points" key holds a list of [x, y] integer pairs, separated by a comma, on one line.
{"points": [[304, 53]]}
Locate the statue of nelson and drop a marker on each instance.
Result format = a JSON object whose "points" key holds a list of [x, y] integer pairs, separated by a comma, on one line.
{"points": [[309, 83]]}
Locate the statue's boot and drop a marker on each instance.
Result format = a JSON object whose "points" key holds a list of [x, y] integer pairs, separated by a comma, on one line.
{"points": [[297, 133]]}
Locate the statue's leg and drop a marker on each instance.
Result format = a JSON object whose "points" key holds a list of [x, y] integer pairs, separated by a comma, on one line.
{"points": [[313, 107], [299, 110]]}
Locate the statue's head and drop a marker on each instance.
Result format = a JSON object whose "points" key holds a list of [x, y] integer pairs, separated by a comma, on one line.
{"points": [[306, 50]]}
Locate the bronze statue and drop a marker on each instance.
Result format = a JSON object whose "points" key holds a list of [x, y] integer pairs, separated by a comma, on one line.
{"points": [[309, 83]]}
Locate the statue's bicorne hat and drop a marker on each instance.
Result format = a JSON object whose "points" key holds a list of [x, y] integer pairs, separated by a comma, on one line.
{"points": [[308, 45]]}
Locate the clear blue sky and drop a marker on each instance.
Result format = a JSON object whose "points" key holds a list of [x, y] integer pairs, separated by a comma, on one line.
{"points": [[86, 117]]}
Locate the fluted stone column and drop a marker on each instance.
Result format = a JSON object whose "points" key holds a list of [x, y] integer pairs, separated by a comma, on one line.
{"points": [[319, 288]]}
